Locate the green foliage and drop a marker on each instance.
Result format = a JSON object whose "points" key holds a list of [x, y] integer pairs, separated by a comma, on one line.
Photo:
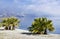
{"points": [[40, 25], [11, 21], [0, 24]]}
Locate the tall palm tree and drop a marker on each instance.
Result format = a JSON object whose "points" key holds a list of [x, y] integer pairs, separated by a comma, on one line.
{"points": [[41, 25], [10, 22]]}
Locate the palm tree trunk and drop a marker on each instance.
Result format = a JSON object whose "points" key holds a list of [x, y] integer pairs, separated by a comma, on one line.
{"points": [[13, 27], [9, 27], [6, 28], [45, 32]]}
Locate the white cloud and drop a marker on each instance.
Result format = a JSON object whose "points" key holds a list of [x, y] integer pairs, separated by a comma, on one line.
{"points": [[47, 6]]}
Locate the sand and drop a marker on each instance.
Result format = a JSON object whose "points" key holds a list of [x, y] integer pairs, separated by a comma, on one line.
{"points": [[23, 34]]}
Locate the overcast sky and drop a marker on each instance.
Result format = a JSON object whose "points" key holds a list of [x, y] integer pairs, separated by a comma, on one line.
{"points": [[37, 7]]}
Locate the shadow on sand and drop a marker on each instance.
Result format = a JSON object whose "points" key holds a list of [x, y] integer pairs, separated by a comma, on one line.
{"points": [[27, 33]]}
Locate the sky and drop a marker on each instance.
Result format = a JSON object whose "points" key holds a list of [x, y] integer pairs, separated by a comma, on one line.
{"points": [[27, 10], [37, 7]]}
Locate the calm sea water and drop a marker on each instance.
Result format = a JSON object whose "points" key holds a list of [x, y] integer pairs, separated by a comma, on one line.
{"points": [[27, 21]]}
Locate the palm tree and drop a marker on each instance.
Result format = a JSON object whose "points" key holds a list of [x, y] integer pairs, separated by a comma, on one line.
{"points": [[41, 25], [10, 22], [48, 25], [5, 23], [14, 22]]}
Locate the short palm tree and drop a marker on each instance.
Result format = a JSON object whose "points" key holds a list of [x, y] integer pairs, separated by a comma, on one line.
{"points": [[14, 22], [5, 23], [10, 22], [41, 25]]}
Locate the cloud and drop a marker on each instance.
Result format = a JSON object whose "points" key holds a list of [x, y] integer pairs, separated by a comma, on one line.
{"points": [[49, 7]]}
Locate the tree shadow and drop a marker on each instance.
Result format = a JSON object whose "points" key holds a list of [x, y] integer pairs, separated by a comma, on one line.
{"points": [[27, 33]]}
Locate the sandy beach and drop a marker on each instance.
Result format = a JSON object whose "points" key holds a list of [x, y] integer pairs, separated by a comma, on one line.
{"points": [[23, 34]]}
